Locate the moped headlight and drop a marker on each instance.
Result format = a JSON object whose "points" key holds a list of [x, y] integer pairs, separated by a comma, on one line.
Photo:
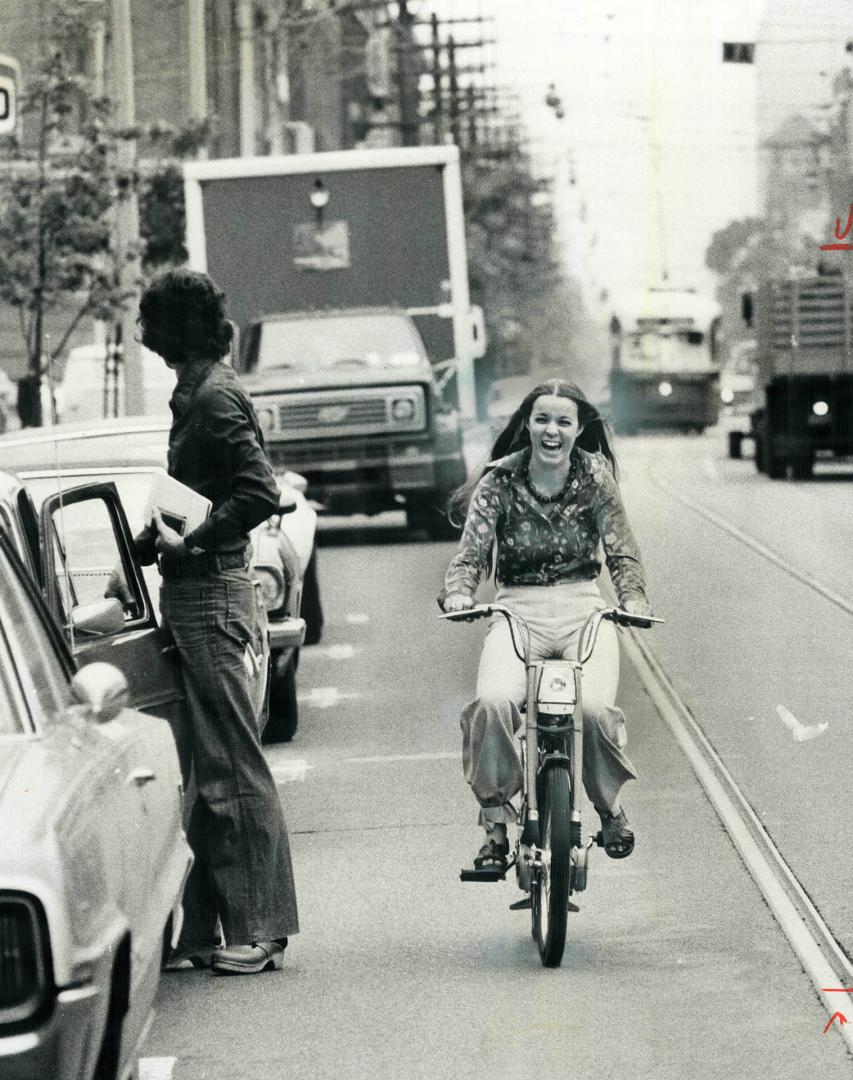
{"points": [[272, 586]]}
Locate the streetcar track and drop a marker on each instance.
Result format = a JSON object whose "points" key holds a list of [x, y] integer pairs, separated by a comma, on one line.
{"points": [[767, 553], [822, 957]]}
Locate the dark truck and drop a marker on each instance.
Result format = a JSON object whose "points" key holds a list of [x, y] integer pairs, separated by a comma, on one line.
{"points": [[346, 274], [805, 374]]}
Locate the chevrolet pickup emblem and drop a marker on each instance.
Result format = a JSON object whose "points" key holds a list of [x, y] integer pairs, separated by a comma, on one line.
{"points": [[333, 414]]}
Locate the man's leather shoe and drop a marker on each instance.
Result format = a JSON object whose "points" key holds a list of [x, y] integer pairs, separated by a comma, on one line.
{"points": [[249, 959]]}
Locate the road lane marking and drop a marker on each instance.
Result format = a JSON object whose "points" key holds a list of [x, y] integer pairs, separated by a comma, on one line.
{"points": [[287, 772], [157, 1068], [324, 697], [761, 549], [807, 933], [800, 732], [334, 652], [357, 618]]}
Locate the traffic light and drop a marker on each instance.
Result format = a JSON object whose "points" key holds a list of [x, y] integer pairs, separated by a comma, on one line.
{"points": [[10, 80]]}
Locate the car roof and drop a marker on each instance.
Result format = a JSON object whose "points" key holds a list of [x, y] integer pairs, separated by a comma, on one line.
{"points": [[129, 441]]}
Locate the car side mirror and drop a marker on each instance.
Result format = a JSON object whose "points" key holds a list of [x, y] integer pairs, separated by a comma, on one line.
{"points": [[98, 618], [102, 689]]}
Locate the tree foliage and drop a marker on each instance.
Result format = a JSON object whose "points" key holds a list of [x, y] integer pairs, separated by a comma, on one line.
{"points": [[58, 201], [513, 263]]}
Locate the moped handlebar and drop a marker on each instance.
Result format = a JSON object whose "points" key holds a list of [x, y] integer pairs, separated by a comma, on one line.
{"points": [[588, 636]]}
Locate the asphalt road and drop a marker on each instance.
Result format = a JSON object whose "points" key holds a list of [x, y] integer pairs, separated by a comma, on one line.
{"points": [[675, 966]]}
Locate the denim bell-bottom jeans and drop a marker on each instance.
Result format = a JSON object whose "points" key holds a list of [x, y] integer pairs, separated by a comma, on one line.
{"points": [[242, 874]]}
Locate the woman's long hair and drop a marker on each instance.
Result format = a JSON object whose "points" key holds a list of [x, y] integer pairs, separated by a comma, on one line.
{"points": [[595, 436]]}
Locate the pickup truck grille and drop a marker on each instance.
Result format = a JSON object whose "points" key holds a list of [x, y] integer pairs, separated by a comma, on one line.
{"points": [[362, 411], [352, 413]]}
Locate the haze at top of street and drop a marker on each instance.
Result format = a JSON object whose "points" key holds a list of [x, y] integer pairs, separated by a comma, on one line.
{"points": [[659, 143]]}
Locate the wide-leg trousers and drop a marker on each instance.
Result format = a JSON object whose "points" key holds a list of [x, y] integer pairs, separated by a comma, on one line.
{"points": [[242, 874], [555, 615]]}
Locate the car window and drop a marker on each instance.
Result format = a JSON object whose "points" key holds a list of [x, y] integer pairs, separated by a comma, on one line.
{"points": [[133, 490], [86, 553], [32, 671]]}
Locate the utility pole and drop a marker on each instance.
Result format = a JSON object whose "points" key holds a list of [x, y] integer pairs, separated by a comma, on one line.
{"points": [[437, 104], [245, 30], [407, 79], [453, 82], [197, 49], [127, 209]]}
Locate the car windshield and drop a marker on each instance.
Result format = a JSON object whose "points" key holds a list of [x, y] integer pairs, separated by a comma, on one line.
{"points": [[358, 341], [32, 679]]}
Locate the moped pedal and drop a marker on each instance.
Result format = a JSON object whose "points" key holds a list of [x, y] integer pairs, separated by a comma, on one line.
{"points": [[522, 905], [486, 874], [572, 907], [599, 838]]}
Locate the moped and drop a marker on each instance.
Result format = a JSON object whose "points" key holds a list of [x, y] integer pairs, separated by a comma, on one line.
{"points": [[550, 856]]}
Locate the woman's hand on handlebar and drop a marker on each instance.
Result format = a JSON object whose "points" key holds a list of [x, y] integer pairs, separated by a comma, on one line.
{"points": [[457, 602], [638, 607]]}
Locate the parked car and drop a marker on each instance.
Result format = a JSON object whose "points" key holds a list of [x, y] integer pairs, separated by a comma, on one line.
{"points": [[93, 858], [129, 452]]}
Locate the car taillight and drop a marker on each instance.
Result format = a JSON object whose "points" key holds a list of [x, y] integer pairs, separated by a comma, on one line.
{"points": [[24, 977]]}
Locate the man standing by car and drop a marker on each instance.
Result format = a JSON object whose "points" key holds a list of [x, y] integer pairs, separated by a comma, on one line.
{"points": [[242, 873]]}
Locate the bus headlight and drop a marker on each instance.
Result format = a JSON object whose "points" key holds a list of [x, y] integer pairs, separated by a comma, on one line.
{"points": [[665, 389], [820, 408], [266, 418]]}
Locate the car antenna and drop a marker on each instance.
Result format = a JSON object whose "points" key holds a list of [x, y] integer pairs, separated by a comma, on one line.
{"points": [[51, 385]]}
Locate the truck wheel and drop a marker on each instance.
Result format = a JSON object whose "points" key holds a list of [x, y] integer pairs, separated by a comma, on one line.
{"points": [[312, 610], [283, 711], [777, 467], [427, 515], [736, 445], [802, 466]]}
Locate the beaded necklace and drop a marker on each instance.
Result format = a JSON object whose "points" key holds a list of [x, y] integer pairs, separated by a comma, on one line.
{"points": [[534, 491]]}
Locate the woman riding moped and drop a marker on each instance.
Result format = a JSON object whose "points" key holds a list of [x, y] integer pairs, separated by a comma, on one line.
{"points": [[537, 514]]}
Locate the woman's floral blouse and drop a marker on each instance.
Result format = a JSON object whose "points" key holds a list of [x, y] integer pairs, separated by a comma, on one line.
{"points": [[541, 544]]}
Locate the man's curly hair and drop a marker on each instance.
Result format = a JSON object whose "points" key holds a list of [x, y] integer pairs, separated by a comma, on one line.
{"points": [[182, 315]]}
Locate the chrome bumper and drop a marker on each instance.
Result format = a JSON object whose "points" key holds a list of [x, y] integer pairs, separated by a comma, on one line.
{"points": [[57, 1049], [286, 633]]}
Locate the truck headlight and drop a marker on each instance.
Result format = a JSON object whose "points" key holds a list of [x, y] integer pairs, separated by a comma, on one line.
{"points": [[403, 409], [266, 418]]}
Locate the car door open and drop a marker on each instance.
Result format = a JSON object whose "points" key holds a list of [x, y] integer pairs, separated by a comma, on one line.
{"points": [[86, 547]]}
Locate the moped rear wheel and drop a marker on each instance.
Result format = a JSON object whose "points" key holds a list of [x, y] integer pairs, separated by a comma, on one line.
{"points": [[554, 885]]}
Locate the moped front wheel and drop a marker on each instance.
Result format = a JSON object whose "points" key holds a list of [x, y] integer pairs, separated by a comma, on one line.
{"points": [[551, 893]]}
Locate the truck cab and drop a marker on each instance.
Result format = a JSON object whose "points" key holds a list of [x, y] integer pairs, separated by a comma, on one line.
{"points": [[350, 400]]}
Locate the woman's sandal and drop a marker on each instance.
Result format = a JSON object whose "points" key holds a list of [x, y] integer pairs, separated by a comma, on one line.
{"points": [[617, 838], [492, 855]]}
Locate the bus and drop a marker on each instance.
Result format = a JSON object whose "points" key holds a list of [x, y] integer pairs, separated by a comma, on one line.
{"points": [[665, 362]]}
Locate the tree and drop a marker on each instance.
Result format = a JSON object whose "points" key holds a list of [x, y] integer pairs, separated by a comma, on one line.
{"points": [[57, 206]]}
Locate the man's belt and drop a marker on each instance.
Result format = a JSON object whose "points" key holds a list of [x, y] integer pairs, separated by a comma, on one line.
{"points": [[204, 565]]}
